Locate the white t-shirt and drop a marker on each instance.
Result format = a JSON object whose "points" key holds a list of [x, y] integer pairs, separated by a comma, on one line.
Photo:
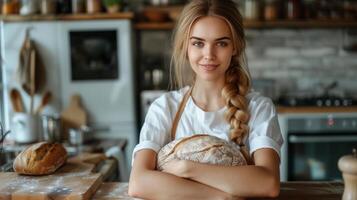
{"points": [[264, 130]]}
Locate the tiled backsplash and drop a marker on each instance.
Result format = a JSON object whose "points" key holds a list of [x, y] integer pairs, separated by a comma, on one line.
{"points": [[299, 60]]}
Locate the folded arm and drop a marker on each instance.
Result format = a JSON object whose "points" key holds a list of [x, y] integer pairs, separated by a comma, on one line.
{"points": [[259, 180], [148, 183]]}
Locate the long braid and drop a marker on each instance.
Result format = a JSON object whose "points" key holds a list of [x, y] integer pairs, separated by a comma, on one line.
{"points": [[236, 87]]}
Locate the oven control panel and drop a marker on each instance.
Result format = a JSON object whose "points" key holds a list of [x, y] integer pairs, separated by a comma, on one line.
{"points": [[330, 123]]}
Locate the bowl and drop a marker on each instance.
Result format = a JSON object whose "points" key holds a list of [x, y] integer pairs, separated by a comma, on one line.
{"points": [[155, 15]]}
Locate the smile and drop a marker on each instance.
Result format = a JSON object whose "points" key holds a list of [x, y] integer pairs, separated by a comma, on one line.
{"points": [[208, 67]]}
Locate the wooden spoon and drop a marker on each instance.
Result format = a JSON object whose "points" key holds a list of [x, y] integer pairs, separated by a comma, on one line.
{"points": [[46, 98], [16, 100]]}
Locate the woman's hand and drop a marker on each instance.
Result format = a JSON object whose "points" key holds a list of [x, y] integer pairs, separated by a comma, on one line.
{"points": [[178, 167]]}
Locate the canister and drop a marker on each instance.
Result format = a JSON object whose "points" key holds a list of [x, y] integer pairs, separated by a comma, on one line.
{"points": [[51, 128], [77, 6], [94, 6], [48, 7]]}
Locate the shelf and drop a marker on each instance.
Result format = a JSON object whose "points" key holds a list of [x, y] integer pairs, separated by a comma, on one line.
{"points": [[84, 16], [264, 24], [154, 26]]}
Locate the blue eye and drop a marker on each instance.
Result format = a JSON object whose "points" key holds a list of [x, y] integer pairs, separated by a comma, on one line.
{"points": [[198, 44], [222, 44]]}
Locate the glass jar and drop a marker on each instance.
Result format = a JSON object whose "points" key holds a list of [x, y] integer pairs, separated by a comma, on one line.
{"points": [[94, 6], [336, 9], [48, 7], [7, 7], [77, 6], [293, 9], [64, 6], [323, 9], [309, 9], [252, 9], [349, 9], [28, 7], [271, 10]]}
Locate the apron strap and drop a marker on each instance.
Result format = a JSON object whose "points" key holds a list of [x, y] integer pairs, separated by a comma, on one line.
{"points": [[179, 113]]}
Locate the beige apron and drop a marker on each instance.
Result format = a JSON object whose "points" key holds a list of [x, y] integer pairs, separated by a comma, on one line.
{"points": [[201, 147]]}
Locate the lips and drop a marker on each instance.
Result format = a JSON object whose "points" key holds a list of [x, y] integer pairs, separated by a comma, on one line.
{"points": [[208, 67]]}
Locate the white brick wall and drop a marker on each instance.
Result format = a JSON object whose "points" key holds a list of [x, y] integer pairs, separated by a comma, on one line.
{"points": [[301, 59]]}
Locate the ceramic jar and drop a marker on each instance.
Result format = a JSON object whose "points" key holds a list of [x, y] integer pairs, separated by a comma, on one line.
{"points": [[48, 7], [94, 6], [78, 6], [252, 9]]}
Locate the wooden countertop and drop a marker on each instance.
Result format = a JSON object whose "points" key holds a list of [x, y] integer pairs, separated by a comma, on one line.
{"points": [[316, 109], [83, 165], [288, 191]]}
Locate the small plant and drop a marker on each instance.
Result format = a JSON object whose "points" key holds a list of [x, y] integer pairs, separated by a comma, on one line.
{"points": [[109, 3], [3, 134], [112, 6]]}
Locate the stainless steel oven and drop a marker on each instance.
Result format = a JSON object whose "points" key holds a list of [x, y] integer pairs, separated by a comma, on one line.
{"points": [[313, 144]]}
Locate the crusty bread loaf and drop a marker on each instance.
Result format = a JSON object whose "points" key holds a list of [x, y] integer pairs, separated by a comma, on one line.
{"points": [[40, 159], [203, 149]]}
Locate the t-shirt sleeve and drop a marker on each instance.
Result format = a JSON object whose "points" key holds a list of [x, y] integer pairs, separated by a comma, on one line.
{"points": [[155, 132], [264, 126]]}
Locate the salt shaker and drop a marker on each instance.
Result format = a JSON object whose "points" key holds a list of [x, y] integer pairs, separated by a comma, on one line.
{"points": [[348, 165]]}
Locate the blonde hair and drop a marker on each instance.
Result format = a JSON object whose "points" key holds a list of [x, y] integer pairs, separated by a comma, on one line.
{"points": [[238, 81]]}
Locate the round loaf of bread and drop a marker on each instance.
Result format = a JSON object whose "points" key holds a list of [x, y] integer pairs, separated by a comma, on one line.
{"points": [[203, 149], [40, 159]]}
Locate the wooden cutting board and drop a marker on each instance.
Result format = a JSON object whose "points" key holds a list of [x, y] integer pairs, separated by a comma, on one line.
{"points": [[113, 191], [91, 158], [74, 181], [74, 116]]}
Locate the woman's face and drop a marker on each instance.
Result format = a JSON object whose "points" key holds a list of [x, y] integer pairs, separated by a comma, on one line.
{"points": [[210, 48]]}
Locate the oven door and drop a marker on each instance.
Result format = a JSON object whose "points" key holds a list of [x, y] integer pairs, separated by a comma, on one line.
{"points": [[314, 156]]}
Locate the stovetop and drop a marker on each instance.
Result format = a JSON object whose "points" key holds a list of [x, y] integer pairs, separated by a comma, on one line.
{"points": [[322, 101]]}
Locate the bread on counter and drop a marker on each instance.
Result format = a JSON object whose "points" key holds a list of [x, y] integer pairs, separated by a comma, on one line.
{"points": [[40, 159]]}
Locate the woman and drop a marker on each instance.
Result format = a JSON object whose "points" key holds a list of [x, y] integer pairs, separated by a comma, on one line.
{"points": [[209, 43]]}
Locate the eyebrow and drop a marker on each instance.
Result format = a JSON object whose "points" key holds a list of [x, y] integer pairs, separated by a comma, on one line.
{"points": [[218, 39]]}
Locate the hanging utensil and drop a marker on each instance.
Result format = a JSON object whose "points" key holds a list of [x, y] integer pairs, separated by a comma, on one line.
{"points": [[25, 70], [16, 100], [46, 98]]}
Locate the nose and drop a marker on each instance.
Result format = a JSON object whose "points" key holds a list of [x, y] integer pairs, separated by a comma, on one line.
{"points": [[209, 52]]}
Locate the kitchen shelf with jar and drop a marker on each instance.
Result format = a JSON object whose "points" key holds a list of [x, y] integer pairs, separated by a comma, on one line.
{"points": [[82, 16], [260, 24]]}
